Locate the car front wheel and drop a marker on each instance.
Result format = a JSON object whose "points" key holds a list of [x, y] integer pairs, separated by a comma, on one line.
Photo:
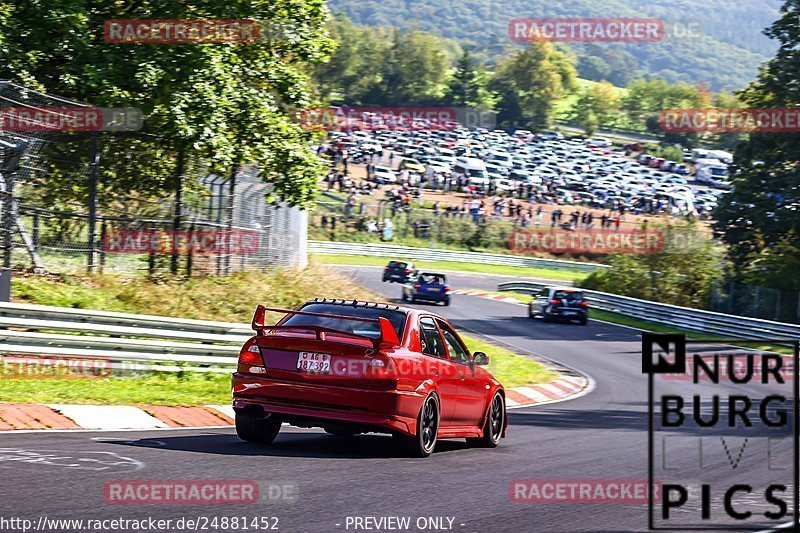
{"points": [[493, 428], [258, 430]]}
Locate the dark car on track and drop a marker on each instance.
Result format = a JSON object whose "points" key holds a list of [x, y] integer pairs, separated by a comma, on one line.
{"points": [[398, 271], [428, 287], [560, 303], [355, 367]]}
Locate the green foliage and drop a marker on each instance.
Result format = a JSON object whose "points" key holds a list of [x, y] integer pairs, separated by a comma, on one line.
{"points": [[597, 106], [222, 104], [529, 83], [726, 56], [760, 217], [681, 275]]}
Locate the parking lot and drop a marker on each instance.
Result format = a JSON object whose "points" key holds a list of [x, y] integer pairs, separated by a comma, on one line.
{"points": [[543, 170]]}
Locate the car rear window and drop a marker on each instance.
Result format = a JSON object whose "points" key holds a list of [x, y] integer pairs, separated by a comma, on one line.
{"points": [[568, 295], [397, 264], [432, 279], [369, 329]]}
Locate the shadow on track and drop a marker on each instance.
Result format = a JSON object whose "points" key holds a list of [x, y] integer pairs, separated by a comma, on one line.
{"points": [[289, 444]]}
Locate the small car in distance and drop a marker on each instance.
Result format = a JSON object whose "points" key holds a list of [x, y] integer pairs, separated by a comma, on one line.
{"points": [[353, 367], [428, 287], [560, 303], [398, 272]]}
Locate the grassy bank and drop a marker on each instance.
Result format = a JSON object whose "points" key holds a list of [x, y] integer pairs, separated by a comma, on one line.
{"points": [[541, 273], [215, 298]]}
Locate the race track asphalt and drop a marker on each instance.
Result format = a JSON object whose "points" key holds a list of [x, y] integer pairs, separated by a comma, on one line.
{"points": [[600, 436]]}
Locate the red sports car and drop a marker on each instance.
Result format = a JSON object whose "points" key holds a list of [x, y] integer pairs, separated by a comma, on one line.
{"points": [[354, 367]]}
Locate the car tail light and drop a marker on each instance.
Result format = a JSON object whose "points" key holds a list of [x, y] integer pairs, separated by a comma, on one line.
{"points": [[417, 286], [555, 302], [250, 359], [447, 288], [380, 373], [584, 303], [386, 268], [408, 271]]}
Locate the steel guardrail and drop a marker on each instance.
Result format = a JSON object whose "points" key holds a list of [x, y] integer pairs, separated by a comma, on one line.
{"points": [[685, 318], [436, 254], [126, 341]]}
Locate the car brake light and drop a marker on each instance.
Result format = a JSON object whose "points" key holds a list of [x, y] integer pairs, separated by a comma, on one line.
{"points": [[447, 288], [555, 302], [417, 286], [584, 304], [386, 268], [250, 356], [408, 271]]}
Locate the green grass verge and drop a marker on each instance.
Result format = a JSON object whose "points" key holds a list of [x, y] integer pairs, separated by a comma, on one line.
{"points": [[542, 273], [508, 368], [158, 388]]}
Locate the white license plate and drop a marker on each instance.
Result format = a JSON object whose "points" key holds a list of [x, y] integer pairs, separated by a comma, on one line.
{"points": [[314, 363]]}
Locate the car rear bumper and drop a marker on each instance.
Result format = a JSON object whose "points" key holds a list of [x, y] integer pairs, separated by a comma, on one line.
{"points": [[568, 314], [315, 404], [432, 297]]}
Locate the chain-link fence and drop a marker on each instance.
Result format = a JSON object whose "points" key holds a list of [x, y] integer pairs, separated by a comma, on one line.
{"points": [[204, 224], [756, 301]]}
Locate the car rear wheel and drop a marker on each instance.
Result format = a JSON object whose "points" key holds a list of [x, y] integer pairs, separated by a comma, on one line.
{"points": [[423, 443], [531, 312], [584, 321], [493, 428], [258, 430], [446, 302]]}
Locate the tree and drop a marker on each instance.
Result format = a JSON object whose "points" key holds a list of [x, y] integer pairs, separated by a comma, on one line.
{"points": [[597, 105], [529, 83], [760, 218], [646, 99], [223, 104], [468, 85]]}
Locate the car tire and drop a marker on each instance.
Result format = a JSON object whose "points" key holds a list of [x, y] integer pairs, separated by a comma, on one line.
{"points": [[413, 299], [257, 430], [531, 313], [493, 428], [423, 443], [404, 297], [446, 302], [546, 317], [584, 321]]}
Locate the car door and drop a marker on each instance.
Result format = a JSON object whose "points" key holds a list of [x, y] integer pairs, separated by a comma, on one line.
{"points": [[471, 400], [439, 367]]}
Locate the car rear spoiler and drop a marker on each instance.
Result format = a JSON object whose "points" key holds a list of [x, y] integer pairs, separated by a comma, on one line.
{"points": [[387, 339]]}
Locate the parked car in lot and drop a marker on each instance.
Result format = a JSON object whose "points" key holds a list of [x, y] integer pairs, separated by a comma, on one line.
{"points": [[384, 175], [411, 164], [559, 303], [398, 271], [428, 287], [355, 367]]}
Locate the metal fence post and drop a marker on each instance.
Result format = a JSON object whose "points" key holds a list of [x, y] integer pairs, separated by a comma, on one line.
{"points": [[176, 220], [93, 177], [102, 250]]}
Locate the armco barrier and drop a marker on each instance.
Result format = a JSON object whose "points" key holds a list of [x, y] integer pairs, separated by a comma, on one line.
{"points": [[126, 341], [434, 254], [676, 316]]}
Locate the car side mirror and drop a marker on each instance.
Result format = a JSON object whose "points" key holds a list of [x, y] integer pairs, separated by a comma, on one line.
{"points": [[480, 359]]}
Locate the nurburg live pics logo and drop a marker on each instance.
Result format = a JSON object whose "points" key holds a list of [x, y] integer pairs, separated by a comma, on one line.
{"points": [[725, 450]]}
